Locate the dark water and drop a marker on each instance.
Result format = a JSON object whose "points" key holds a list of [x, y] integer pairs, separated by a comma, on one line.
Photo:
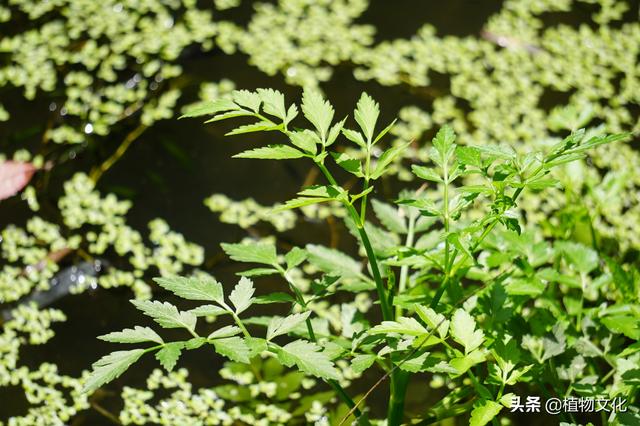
{"points": [[175, 165]]}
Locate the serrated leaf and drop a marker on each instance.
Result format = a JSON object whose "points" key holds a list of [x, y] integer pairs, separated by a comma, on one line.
{"points": [[414, 363], [271, 152], [493, 152], [195, 343], [292, 113], [484, 412], [390, 217], [469, 155], [254, 127], [169, 354], [403, 325], [247, 99], [318, 111], [463, 330], [563, 159], [623, 324], [193, 288], [233, 348], [426, 207], [335, 131], [166, 314], [309, 359], [110, 367], [426, 173], [348, 163], [226, 331], [298, 202], [366, 115], [443, 142], [208, 310], [229, 114], [361, 194], [242, 295], [433, 320], [305, 140], [360, 363], [475, 189], [258, 272], [251, 252], [543, 183], [355, 137], [279, 326], [325, 191], [273, 102], [386, 158], [210, 108], [135, 335], [295, 257], [442, 367], [333, 261], [384, 131], [598, 140], [256, 345], [463, 363]]}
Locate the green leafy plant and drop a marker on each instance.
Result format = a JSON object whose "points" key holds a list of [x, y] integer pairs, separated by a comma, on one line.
{"points": [[465, 291]]}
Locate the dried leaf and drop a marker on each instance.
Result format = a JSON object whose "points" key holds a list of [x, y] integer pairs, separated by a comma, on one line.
{"points": [[14, 176]]}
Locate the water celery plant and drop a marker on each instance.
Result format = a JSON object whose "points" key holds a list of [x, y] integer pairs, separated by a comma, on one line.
{"points": [[465, 292]]}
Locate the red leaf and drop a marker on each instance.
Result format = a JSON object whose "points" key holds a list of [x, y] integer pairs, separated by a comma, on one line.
{"points": [[14, 175]]}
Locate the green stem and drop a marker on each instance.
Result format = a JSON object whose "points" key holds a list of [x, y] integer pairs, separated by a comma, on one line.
{"points": [[363, 203], [387, 314], [399, 382], [447, 261], [404, 270], [236, 318], [400, 378], [347, 400]]}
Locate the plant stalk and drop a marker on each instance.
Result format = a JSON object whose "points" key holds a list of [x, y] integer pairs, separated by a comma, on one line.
{"points": [[399, 382], [404, 270], [387, 313]]}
